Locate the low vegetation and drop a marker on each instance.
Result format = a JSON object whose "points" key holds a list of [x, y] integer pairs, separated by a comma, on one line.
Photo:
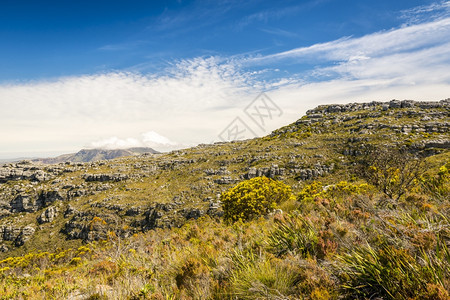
{"points": [[300, 214], [341, 241]]}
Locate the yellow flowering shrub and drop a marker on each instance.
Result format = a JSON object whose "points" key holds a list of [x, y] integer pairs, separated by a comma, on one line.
{"points": [[438, 185], [341, 189], [253, 198]]}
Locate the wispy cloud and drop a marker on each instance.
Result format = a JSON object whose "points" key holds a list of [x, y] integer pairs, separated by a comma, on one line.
{"points": [[265, 15], [279, 32], [123, 46], [400, 40], [196, 15], [421, 13]]}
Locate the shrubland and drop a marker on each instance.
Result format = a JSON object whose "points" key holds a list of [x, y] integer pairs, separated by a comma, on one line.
{"points": [[247, 220]]}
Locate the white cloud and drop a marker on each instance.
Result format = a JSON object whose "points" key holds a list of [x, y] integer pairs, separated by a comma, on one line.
{"points": [[150, 139], [193, 96], [423, 12], [116, 143], [154, 139]]}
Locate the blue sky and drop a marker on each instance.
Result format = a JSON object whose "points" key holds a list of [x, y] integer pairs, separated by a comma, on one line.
{"points": [[47, 39], [171, 74]]}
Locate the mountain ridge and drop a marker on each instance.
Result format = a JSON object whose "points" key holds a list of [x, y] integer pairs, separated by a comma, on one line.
{"points": [[90, 155]]}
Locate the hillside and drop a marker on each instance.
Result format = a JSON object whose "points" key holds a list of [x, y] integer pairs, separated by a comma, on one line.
{"points": [[90, 155], [157, 220]]}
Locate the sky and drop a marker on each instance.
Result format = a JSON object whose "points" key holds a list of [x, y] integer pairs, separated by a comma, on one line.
{"points": [[173, 74]]}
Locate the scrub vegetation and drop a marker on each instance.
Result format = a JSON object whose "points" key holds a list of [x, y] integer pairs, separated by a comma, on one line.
{"points": [[343, 204]]}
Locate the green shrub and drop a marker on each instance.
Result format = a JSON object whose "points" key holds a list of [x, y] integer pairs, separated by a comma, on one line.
{"points": [[193, 278], [259, 277], [253, 198], [437, 185], [294, 235], [393, 171], [391, 273]]}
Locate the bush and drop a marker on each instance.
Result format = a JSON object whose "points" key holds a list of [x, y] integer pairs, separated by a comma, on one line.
{"points": [[437, 185], [391, 273], [393, 171], [260, 277], [253, 198], [339, 190], [294, 235]]}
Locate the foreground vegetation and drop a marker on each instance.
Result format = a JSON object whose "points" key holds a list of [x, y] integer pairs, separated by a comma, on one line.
{"points": [[347, 239]]}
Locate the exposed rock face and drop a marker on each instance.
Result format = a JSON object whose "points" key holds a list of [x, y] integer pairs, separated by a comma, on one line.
{"points": [[312, 173], [221, 171], [393, 104], [16, 234], [89, 227], [25, 235], [226, 180], [442, 143], [134, 211], [192, 213], [105, 177], [25, 203], [169, 215], [70, 210], [156, 217], [49, 197], [215, 208], [17, 172], [48, 215], [271, 172], [32, 201]]}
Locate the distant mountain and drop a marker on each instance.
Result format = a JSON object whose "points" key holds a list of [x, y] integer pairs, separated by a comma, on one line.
{"points": [[17, 159], [89, 155]]}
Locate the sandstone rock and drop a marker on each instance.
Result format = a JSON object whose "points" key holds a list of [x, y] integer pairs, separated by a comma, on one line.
{"points": [[25, 203], [192, 213], [26, 233], [105, 177], [215, 208], [48, 215], [271, 172], [134, 211], [48, 197], [18, 235], [442, 143], [225, 180], [70, 210]]}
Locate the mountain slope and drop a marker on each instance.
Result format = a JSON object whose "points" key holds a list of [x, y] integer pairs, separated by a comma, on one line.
{"points": [[89, 155], [319, 145], [143, 200]]}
